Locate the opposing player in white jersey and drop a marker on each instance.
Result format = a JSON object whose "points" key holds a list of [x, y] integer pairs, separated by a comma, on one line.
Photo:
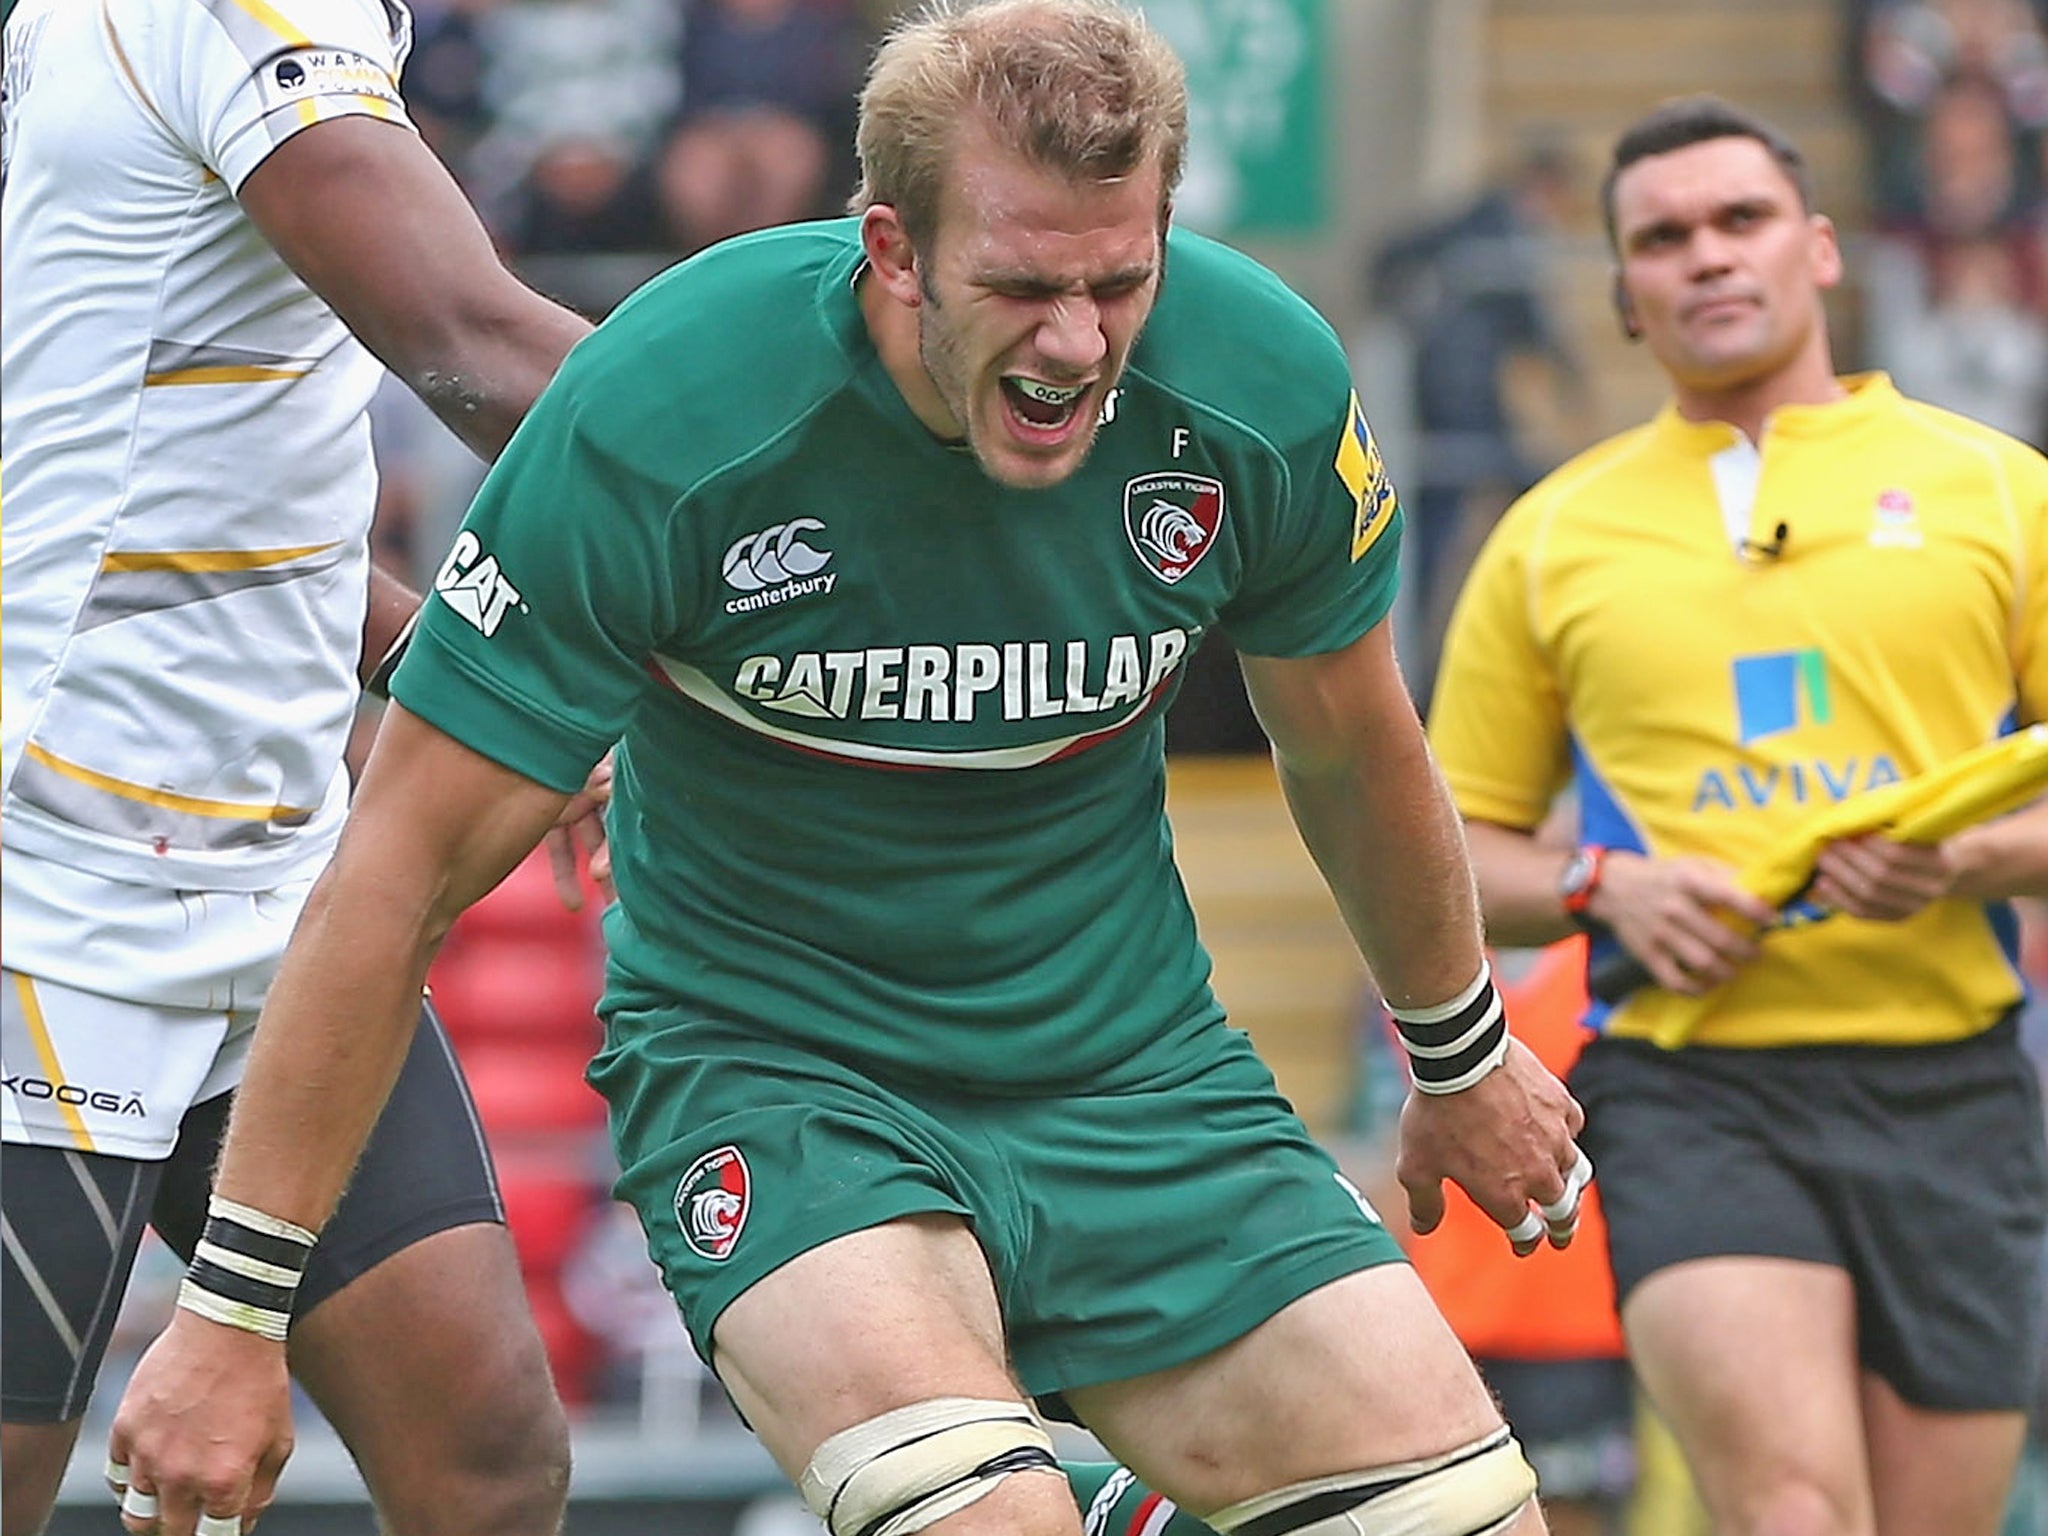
{"points": [[217, 219]]}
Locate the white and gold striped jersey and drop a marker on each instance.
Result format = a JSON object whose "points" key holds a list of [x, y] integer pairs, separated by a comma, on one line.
{"points": [[189, 480]]}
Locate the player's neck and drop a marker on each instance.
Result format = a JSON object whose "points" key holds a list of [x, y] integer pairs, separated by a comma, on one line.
{"points": [[892, 327], [1808, 379]]}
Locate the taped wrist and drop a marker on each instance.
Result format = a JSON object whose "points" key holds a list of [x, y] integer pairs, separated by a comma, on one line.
{"points": [[246, 1269], [1453, 1045]]}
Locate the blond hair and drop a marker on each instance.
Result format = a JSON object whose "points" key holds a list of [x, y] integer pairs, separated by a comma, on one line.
{"points": [[1083, 88]]}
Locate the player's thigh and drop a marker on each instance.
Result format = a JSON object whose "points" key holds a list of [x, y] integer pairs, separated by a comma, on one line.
{"points": [[874, 1320], [1938, 1470], [1938, 1168], [411, 1326], [1362, 1372], [32, 1462], [1695, 1160], [812, 1224], [1158, 1223], [73, 1223], [1753, 1362], [430, 1369], [414, 1333], [100, 1115]]}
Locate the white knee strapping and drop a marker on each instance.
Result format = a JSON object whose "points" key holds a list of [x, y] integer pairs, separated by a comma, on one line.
{"points": [[899, 1472], [1476, 1490]]}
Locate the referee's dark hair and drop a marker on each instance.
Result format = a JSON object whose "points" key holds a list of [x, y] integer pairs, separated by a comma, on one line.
{"points": [[1690, 120]]}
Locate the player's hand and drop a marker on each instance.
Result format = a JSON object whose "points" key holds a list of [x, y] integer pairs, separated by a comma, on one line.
{"points": [[1508, 1142], [581, 825], [1671, 915], [202, 1432], [1872, 876]]}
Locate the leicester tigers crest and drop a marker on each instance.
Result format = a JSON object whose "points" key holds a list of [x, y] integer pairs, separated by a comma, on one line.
{"points": [[1172, 520], [712, 1202]]}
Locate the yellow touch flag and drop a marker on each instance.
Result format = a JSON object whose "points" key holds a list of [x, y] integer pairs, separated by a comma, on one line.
{"points": [[1998, 777]]}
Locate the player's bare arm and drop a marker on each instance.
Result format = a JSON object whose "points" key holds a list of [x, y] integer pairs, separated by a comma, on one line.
{"points": [[1663, 911], [387, 622], [1376, 817], [371, 220], [205, 1425], [1366, 795]]}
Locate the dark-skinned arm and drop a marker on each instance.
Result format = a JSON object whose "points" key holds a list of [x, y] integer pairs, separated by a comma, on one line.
{"points": [[370, 219]]}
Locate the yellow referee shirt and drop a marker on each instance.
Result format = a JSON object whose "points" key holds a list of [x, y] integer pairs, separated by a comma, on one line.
{"points": [[1709, 639]]}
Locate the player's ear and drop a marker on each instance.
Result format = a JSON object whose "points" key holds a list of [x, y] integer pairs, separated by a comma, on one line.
{"points": [[1625, 310], [891, 256]]}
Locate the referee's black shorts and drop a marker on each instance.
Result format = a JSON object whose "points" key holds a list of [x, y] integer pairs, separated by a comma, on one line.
{"points": [[74, 1221], [1920, 1170]]}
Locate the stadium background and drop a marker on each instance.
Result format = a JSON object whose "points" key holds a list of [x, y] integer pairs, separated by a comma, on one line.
{"points": [[1425, 172]]}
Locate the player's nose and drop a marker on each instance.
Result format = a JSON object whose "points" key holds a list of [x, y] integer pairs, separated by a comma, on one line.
{"points": [[1070, 337]]}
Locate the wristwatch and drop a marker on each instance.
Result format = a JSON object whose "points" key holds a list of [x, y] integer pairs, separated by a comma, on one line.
{"points": [[1577, 882]]}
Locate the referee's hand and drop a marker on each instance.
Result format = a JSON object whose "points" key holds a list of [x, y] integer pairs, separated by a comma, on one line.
{"points": [[1674, 916], [1874, 878], [1509, 1142], [202, 1433]]}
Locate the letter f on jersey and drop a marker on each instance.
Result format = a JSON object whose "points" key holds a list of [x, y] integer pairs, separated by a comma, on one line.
{"points": [[474, 587]]}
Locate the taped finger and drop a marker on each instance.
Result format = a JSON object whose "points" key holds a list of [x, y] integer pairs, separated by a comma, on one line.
{"points": [[218, 1525], [117, 1476], [1526, 1234], [139, 1505], [1565, 1208]]}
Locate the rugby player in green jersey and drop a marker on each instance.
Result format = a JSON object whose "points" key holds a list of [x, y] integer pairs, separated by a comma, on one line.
{"points": [[877, 546]]}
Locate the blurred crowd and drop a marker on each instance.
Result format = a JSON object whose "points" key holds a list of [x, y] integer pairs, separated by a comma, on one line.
{"points": [[1953, 95], [605, 126], [603, 140]]}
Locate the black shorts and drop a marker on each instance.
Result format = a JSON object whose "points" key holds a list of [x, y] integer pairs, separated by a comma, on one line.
{"points": [[1922, 1171], [74, 1221]]}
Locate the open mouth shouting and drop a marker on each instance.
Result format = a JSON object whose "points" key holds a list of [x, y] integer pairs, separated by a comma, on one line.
{"points": [[1041, 412]]}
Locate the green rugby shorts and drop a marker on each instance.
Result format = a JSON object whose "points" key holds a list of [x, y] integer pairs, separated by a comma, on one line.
{"points": [[1127, 1231]]}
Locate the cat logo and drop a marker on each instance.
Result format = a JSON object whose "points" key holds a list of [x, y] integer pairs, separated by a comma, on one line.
{"points": [[471, 584]]}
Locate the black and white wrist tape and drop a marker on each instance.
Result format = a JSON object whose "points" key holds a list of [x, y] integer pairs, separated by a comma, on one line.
{"points": [[246, 1269], [1452, 1045]]}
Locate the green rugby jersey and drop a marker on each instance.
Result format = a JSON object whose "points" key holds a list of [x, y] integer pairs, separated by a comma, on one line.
{"points": [[890, 770]]}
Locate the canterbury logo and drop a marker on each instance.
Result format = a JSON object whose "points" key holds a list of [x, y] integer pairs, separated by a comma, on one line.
{"points": [[775, 555]]}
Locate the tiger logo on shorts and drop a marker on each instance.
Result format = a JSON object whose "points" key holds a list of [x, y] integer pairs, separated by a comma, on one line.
{"points": [[712, 1203]]}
